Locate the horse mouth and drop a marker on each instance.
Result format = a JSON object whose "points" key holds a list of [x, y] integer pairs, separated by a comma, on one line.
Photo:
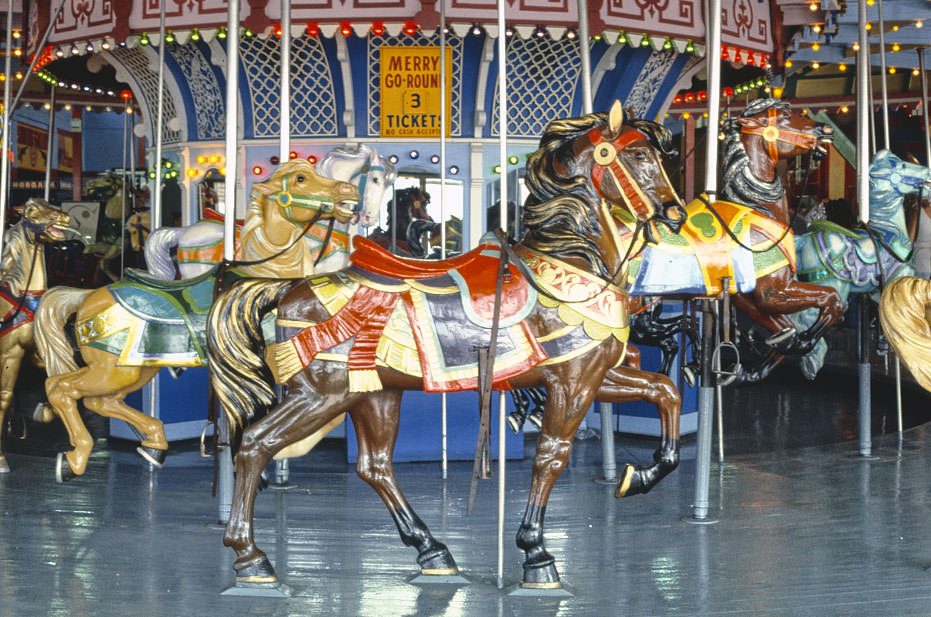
{"points": [[54, 232], [346, 211]]}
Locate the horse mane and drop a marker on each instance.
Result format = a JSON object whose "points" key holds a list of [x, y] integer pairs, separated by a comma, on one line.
{"points": [[739, 184], [557, 216], [354, 153], [14, 265]]}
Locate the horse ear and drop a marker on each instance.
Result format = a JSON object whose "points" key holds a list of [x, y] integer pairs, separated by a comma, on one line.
{"points": [[373, 158], [19, 209], [616, 116], [750, 122], [263, 188]]}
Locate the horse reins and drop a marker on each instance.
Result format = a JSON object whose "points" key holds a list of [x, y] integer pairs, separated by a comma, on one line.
{"points": [[772, 135]]}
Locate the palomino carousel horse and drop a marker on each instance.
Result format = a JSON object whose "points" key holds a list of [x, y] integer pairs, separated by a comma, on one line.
{"points": [[861, 260], [126, 331], [200, 246], [747, 240], [353, 341], [906, 322], [22, 283], [112, 241]]}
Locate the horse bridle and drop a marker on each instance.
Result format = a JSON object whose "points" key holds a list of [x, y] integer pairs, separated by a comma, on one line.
{"points": [[606, 155], [288, 201], [772, 135]]}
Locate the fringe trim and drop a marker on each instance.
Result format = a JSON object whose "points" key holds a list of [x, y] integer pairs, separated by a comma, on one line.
{"points": [[365, 380], [284, 361]]}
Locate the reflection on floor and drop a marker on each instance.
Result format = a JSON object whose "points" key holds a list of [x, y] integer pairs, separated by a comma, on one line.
{"points": [[801, 530]]}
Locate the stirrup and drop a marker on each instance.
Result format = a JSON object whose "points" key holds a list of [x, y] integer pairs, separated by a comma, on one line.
{"points": [[725, 377]]}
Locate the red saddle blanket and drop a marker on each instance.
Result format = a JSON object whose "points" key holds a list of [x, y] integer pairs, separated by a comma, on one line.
{"points": [[473, 274]]}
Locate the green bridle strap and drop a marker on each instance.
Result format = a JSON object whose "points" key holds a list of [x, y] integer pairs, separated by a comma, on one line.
{"points": [[287, 201]]}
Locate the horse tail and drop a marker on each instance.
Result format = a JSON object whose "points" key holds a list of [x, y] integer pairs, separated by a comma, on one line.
{"points": [[55, 309], [240, 378], [157, 249], [904, 318]]}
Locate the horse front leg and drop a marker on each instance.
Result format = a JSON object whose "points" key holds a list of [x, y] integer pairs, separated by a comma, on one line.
{"points": [[9, 371], [301, 413], [375, 419], [624, 384], [567, 402]]}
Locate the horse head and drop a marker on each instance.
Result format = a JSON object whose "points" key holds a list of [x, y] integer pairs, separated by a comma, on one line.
{"points": [[768, 127], [44, 222], [363, 167], [300, 195], [611, 164], [103, 187]]}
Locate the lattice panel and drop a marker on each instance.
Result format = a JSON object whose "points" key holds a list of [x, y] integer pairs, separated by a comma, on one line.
{"points": [[313, 99], [374, 71], [209, 107], [542, 77], [137, 63]]}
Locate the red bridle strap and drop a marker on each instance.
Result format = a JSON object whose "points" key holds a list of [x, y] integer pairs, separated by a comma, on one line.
{"points": [[606, 159], [772, 134]]}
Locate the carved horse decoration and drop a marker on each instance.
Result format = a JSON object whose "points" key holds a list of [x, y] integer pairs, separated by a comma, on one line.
{"points": [[411, 230], [903, 314], [747, 239], [867, 259], [127, 331], [112, 242], [22, 283], [354, 340], [200, 246]]}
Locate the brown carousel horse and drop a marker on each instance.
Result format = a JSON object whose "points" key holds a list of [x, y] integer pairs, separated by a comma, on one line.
{"points": [[22, 283], [353, 341], [127, 331]]}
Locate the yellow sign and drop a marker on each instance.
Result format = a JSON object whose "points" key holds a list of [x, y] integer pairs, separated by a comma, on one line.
{"points": [[410, 91]]}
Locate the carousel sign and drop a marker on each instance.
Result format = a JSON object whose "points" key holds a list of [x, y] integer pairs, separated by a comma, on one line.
{"points": [[410, 91]]}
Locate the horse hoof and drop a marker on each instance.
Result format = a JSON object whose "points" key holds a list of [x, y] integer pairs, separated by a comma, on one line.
{"points": [[809, 368], [4, 466], [690, 374], [153, 455], [63, 471], [437, 562], [631, 483], [541, 576], [536, 417], [260, 572], [516, 421]]}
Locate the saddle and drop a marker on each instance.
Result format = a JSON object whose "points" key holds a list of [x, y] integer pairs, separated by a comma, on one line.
{"points": [[471, 275]]}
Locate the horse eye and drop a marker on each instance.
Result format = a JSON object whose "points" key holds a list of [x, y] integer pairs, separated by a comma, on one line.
{"points": [[640, 156], [300, 178]]}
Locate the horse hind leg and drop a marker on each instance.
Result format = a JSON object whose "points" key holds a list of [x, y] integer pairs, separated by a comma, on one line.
{"points": [[375, 419], [154, 445], [624, 385]]}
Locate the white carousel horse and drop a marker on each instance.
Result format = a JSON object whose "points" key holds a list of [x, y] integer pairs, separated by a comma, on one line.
{"points": [[200, 246]]}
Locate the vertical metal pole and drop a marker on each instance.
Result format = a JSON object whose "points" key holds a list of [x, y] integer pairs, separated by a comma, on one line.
{"points": [[605, 410], [864, 111], [7, 113], [51, 137], [864, 412], [701, 503], [882, 82], [159, 121], [125, 192], [225, 477], [284, 150], [706, 389], [503, 196], [443, 120], [924, 103], [282, 466]]}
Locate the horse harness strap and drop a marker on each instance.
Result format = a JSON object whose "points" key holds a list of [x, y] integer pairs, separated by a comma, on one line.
{"points": [[606, 159], [288, 201], [772, 134]]}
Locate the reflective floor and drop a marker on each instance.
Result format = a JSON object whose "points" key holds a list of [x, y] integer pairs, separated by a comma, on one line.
{"points": [[803, 527]]}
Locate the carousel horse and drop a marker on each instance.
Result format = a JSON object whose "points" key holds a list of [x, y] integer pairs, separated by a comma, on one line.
{"points": [[906, 322], [354, 340], [200, 246], [127, 331], [865, 259], [747, 239], [22, 283], [112, 242], [411, 231]]}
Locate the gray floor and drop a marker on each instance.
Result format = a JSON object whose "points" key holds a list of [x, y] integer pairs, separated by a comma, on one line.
{"points": [[800, 531]]}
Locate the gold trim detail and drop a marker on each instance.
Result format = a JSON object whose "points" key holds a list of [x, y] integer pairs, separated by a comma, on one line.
{"points": [[555, 585], [113, 319], [624, 485], [437, 291], [283, 360], [364, 380], [356, 279], [256, 579], [439, 571]]}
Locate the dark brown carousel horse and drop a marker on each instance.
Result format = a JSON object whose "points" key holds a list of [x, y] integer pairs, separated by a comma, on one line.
{"points": [[353, 341]]}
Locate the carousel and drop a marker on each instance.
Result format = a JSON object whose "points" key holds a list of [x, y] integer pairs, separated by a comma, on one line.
{"points": [[493, 260]]}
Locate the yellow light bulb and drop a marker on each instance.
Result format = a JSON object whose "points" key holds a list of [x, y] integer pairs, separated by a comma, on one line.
{"points": [[815, 46], [895, 47]]}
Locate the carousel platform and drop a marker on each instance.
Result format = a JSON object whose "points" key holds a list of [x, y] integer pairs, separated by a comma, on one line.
{"points": [[803, 527]]}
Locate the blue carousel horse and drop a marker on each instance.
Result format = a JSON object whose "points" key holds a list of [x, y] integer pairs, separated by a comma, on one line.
{"points": [[864, 259]]}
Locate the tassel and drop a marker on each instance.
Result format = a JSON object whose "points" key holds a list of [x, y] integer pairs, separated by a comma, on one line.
{"points": [[284, 361], [364, 380]]}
